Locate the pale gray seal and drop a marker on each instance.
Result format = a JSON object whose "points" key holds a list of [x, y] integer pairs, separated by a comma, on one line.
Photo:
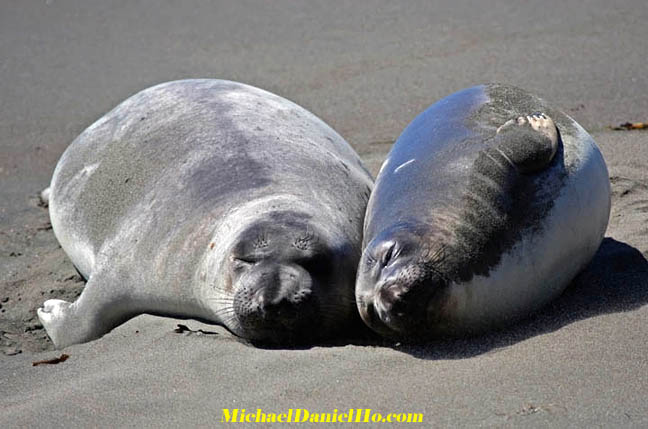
{"points": [[213, 200], [488, 205]]}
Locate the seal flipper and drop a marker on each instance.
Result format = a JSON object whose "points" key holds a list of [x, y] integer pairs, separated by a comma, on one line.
{"points": [[529, 143], [501, 197], [97, 311]]}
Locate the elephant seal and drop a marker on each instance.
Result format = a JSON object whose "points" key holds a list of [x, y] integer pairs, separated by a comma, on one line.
{"points": [[212, 200], [488, 205]]}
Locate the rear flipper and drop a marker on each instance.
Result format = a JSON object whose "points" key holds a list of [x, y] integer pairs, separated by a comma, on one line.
{"points": [[528, 142], [97, 311]]}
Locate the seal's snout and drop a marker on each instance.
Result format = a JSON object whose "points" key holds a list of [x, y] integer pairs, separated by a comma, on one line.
{"points": [[397, 284], [283, 304], [401, 303], [276, 302], [395, 299]]}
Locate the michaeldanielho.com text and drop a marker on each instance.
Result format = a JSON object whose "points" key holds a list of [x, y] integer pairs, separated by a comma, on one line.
{"points": [[301, 415]]}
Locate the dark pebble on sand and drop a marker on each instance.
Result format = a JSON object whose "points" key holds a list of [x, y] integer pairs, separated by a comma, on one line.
{"points": [[33, 327]]}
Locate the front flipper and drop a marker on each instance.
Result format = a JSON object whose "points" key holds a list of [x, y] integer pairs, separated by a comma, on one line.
{"points": [[98, 310], [529, 143]]}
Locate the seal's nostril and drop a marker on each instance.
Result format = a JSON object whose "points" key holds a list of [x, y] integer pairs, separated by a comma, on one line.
{"points": [[284, 305], [300, 295]]}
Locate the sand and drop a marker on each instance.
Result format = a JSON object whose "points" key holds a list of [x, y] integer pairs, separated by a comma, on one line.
{"points": [[367, 70]]}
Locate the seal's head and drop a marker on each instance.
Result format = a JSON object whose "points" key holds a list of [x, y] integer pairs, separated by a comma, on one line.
{"points": [[400, 284], [287, 279]]}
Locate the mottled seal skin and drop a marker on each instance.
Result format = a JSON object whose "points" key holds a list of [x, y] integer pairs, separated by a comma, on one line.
{"points": [[212, 200], [479, 218]]}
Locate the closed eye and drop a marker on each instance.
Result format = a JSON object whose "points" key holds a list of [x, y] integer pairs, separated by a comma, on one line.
{"points": [[390, 253], [244, 260]]}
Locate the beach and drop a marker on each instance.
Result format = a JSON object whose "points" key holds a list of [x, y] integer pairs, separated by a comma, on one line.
{"points": [[367, 69]]}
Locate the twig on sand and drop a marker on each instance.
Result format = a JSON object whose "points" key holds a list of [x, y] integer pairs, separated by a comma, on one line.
{"points": [[53, 361], [180, 328], [626, 126]]}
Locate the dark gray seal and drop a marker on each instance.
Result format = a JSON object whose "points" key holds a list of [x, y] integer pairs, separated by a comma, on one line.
{"points": [[212, 200], [488, 205]]}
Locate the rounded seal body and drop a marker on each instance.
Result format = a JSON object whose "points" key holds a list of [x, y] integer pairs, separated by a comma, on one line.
{"points": [[488, 205], [209, 199]]}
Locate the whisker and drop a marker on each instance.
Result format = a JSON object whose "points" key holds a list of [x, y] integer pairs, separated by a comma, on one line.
{"points": [[228, 321], [227, 310], [221, 290]]}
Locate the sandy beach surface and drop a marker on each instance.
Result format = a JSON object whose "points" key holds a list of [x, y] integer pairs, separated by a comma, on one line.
{"points": [[366, 68]]}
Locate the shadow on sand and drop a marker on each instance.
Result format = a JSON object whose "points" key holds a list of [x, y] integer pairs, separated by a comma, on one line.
{"points": [[616, 280]]}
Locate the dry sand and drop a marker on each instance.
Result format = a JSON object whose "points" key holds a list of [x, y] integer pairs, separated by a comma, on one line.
{"points": [[367, 70]]}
